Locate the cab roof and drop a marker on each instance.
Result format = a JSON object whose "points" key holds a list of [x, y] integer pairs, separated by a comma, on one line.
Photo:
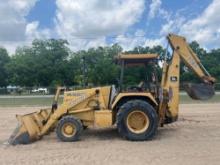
{"points": [[136, 59]]}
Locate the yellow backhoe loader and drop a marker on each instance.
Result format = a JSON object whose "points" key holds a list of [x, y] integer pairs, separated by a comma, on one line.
{"points": [[136, 111]]}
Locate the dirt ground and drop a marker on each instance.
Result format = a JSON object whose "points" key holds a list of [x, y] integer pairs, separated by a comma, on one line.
{"points": [[194, 139]]}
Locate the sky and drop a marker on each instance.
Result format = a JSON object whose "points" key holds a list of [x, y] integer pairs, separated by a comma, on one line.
{"points": [[93, 23]]}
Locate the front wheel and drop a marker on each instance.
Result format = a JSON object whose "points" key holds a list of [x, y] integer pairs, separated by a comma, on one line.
{"points": [[69, 129], [137, 120]]}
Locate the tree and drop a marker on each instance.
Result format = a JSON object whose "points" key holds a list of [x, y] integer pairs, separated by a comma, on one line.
{"points": [[4, 60], [50, 63], [21, 68], [98, 65], [197, 49], [45, 63], [186, 74], [211, 61]]}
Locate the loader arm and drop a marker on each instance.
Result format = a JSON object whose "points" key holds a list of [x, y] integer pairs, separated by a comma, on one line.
{"points": [[56, 97], [169, 103]]}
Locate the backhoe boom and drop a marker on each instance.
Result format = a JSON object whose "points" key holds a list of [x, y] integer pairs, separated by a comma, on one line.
{"points": [[190, 59], [169, 105]]}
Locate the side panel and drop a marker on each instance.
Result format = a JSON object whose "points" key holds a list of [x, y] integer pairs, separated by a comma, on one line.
{"points": [[105, 92], [90, 106], [81, 99], [103, 118]]}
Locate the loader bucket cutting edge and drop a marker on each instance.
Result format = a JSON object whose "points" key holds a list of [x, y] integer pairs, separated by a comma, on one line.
{"points": [[19, 137], [199, 91], [28, 128]]}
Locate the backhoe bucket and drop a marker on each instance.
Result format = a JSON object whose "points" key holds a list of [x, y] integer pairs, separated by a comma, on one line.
{"points": [[29, 127], [199, 91]]}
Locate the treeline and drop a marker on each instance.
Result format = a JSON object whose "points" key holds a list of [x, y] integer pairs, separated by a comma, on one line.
{"points": [[51, 63]]}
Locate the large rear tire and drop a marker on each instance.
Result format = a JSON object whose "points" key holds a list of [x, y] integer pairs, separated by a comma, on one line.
{"points": [[69, 129], [137, 120]]}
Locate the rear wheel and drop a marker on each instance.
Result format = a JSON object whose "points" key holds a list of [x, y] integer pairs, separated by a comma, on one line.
{"points": [[137, 120], [69, 129]]}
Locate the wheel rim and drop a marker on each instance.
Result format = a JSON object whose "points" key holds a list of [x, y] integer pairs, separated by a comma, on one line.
{"points": [[137, 121], [68, 130]]}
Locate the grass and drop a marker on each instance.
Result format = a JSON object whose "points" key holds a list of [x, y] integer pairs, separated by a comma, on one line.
{"points": [[47, 101]]}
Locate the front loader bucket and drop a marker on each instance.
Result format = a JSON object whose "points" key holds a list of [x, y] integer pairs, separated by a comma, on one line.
{"points": [[29, 127], [199, 91]]}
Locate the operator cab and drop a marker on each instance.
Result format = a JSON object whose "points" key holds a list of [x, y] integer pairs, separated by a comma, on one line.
{"points": [[148, 79]]}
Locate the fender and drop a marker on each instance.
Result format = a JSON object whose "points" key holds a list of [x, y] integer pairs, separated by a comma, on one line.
{"points": [[123, 95]]}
